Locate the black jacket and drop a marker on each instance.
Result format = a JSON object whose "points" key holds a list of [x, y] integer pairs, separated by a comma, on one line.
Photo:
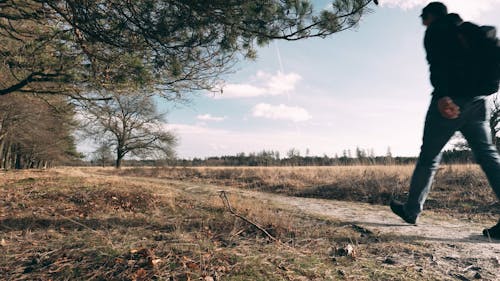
{"points": [[447, 60]]}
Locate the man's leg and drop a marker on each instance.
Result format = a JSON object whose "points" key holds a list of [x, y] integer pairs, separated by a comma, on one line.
{"points": [[477, 133], [437, 131], [436, 135], [478, 136]]}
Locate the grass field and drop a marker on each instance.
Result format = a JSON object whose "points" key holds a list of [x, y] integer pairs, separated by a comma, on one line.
{"points": [[97, 224], [463, 188]]}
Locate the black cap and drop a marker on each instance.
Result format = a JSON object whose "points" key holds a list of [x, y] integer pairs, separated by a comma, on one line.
{"points": [[436, 9]]}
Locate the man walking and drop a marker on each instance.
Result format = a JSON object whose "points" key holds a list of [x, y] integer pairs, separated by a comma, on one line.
{"points": [[457, 105]]}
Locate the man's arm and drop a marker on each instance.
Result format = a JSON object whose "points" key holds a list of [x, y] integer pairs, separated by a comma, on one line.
{"points": [[439, 61], [437, 42]]}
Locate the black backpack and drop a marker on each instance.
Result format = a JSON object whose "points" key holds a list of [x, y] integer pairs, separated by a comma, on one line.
{"points": [[483, 54]]}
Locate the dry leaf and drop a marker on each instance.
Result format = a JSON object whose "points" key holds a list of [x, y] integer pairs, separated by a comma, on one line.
{"points": [[221, 268], [348, 251], [192, 265], [3, 243], [140, 274], [155, 262]]}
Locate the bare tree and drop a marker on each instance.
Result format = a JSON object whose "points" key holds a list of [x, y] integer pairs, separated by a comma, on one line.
{"points": [[130, 124], [103, 154], [495, 121]]}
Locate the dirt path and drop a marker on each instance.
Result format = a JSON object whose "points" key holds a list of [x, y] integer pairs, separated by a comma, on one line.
{"points": [[464, 234], [453, 242]]}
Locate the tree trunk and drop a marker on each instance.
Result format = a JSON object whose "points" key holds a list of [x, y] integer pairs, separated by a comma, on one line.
{"points": [[18, 161], [8, 155], [119, 157], [2, 154]]}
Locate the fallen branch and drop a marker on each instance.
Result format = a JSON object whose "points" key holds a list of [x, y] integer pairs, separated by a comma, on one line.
{"points": [[79, 223], [106, 237], [223, 196]]}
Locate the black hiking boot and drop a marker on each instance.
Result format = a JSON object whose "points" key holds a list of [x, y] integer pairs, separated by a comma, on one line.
{"points": [[493, 232], [398, 209]]}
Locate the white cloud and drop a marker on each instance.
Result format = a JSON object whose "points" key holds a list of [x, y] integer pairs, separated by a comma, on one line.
{"points": [[279, 83], [280, 112], [209, 117], [468, 9], [262, 84], [404, 4], [241, 91]]}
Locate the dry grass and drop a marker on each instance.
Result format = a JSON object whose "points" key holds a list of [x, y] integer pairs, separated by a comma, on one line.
{"points": [[463, 188], [57, 225]]}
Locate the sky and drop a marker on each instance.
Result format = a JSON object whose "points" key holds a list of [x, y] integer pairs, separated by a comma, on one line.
{"points": [[367, 87]]}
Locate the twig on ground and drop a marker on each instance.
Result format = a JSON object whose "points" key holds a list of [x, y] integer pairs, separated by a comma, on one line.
{"points": [[225, 200], [89, 228], [78, 223]]}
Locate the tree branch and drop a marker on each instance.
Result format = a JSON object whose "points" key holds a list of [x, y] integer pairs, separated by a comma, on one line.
{"points": [[223, 196]]}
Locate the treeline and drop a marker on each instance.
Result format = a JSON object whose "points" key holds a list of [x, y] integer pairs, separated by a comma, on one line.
{"points": [[35, 133], [294, 158], [457, 156], [253, 160], [272, 158]]}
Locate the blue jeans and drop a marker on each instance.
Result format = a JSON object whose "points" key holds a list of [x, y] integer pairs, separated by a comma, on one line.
{"points": [[474, 125]]}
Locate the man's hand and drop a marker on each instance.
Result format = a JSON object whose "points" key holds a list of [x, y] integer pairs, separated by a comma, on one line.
{"points": [[448, 108]]}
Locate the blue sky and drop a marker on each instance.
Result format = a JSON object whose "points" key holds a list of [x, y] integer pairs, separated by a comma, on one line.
{"points": [[367, 87]]}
